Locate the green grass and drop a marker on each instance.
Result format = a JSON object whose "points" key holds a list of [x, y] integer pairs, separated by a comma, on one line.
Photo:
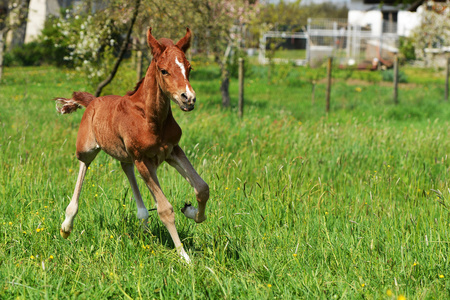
{"points": [[303, 204]]}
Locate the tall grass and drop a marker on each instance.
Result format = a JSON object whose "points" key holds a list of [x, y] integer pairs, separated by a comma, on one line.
{"points": [[303, 204]]}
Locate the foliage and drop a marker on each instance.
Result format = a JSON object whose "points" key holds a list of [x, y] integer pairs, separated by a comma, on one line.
{"points": [[388, 75], [303, 205], [89, 42], [406, 48]]}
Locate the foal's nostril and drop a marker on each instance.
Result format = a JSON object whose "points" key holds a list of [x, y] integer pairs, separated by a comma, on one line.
{"points": [[184, 96]]}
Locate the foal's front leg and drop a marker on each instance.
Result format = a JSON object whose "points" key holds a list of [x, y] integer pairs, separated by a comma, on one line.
{"points": [[165, 210], [180, 162]]}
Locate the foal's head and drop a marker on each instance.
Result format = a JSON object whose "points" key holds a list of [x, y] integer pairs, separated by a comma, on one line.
{"points": [[172, 69]]}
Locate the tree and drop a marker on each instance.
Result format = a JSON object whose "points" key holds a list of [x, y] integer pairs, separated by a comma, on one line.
{"points": [[123, 49], [217, 26], [434, 28], [12, 15]]}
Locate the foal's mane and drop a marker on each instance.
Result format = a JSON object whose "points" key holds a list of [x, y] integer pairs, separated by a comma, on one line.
{"points": [[131, 93]]}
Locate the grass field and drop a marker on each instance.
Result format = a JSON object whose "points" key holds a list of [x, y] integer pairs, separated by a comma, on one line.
{"points": [[353, 204]]}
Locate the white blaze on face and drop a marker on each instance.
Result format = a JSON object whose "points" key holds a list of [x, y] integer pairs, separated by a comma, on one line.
{"points": [[189, 91]]}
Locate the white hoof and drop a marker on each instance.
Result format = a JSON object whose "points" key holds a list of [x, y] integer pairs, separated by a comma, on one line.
{"points": [[185, 256], [142, 214], [189, 211]]}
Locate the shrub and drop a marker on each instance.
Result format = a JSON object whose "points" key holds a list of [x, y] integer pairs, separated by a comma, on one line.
{"points": [[388, 75]]}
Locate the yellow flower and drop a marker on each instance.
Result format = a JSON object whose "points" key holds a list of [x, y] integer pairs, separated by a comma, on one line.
{"points": [[389, 293], [45, 206], [363, 285], [415, 264], [295, 254], [401, 297], [441, 276], [38, 229], [358, 89], [51, 257], [111, 236], [10, 223], [269, 285], [326, 213], [32, 257]]}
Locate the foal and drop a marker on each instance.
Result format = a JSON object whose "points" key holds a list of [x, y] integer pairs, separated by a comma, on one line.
{"points": [[139, 130]]}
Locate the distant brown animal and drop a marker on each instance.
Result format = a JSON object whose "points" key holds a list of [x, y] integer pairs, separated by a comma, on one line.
{"points": [[139, 130]]}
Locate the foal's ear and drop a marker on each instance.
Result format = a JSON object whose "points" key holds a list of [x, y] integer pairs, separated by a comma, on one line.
{"points": [[185, 42], [154, 45]]}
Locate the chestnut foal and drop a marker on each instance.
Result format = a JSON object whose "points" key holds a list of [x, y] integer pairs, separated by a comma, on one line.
{"points": [[139, 130]]}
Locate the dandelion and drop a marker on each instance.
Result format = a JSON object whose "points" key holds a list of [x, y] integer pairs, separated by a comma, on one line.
{"points": [[363, 284], [93, 184], [45, 206], [441, 276], [51, 257], [295, 255], [358, 89], [111, 236], [415, 264], [269, 285], [24, 232], [389, 293], [10, 223], [38, 229], [299, 123], [31, 257], [326, 213], [401, 297], [124, 206]]}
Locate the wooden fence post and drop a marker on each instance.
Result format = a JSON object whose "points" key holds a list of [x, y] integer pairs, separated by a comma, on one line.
{"points": [[241, 87], [329, 65], [396, 79], [447, 72]]}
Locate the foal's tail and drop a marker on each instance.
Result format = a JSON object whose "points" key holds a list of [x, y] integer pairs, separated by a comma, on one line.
{"points": [[79, 99]]}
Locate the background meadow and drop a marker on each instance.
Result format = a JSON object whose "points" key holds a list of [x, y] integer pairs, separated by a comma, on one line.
{"points": [[303, 204]]}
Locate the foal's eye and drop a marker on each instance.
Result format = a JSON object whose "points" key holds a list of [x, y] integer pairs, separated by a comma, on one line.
{"points": [[164, 72]]}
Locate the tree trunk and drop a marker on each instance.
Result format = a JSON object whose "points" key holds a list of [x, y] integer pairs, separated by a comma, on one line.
{"points": [[225, 81], [2, 46], [122, 52], [224, 87]]}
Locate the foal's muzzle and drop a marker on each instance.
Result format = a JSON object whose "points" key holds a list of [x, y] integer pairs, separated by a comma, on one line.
{"points": [[187, 102]]}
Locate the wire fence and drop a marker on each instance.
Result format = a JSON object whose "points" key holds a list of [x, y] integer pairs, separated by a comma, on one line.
{"points": [[322, 38]]}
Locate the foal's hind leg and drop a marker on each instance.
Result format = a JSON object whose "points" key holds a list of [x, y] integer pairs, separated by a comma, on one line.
{"points": [[180, 162], [142, 212], [87, 150], [72, 208]]}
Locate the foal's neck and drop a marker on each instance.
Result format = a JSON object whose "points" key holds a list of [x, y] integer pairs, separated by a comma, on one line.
{"points": [[156, 104]]}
